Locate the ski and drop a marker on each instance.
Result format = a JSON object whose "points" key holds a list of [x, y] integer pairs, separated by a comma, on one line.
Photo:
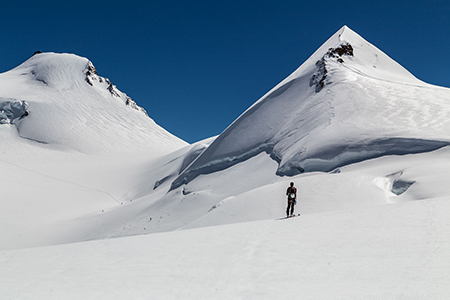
{"points": [[293, 216]]}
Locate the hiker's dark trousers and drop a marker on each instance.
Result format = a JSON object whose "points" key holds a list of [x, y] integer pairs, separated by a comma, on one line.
{"points": [[290, 207]]}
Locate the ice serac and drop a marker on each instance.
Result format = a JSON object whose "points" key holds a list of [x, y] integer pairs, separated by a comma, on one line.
{"points": [[348, 102], [60, 99]]}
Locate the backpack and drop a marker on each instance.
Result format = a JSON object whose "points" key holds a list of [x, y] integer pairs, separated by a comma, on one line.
{"points": [[292, 192]]}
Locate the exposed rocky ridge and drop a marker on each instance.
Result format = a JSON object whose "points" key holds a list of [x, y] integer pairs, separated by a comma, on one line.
{"points": [[336, 54], [92, 78]]}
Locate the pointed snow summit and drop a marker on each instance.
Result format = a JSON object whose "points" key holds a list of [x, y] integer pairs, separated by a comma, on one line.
{"points": [[348, 102], [349, 49], [59, 99]]}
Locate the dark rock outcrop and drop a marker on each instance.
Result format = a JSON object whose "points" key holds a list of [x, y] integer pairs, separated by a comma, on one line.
{"points": [[319, 77], [92, 77]]}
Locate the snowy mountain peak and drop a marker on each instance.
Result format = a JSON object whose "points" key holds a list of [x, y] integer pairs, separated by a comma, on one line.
{"points": [[69, 71], [58, 70], [348, 102], [347, 35], [364, 59], [371, 61], [66, 102]]}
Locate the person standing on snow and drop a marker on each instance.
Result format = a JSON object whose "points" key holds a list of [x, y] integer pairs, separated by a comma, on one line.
{"points": [[292, 196]]}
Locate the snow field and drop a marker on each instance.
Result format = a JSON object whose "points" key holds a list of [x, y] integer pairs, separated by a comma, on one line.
{"points": [[88, 164], [384, 252], [49, 194]]}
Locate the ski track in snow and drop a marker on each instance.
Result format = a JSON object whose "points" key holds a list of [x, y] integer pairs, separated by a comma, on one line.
{"points": [[62, 180]]}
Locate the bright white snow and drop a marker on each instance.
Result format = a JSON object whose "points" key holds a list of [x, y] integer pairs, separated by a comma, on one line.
{"points": [[64, 109], [99, 202], [384, 252], [369, 106]]}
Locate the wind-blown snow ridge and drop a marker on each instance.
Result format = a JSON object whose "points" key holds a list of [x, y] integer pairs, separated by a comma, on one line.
{"points": [[348, 102]]}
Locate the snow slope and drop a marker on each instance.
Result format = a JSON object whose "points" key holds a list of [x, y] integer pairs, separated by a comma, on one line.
{"points": [[386, 252], [71, 145], [250, 191], [368, 107], [348, 102], [80, 161], [70, 105]]}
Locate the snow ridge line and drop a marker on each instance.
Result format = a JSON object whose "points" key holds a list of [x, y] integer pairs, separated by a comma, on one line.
{"points": [[221, 164], [62, 180]]}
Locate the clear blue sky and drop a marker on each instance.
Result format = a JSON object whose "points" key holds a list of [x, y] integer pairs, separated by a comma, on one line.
{"points": [[195, 66]]}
